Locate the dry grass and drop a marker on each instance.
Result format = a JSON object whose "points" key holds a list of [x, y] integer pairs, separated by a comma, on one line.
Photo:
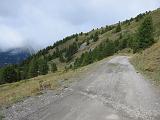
{"points": [[13, 92], [149, 62]]}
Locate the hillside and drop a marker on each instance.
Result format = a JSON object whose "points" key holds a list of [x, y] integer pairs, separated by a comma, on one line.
{"points": [[84, 48], [72, 56], [148, 62]]}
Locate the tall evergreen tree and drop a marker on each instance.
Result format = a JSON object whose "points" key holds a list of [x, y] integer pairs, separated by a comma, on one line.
{"points": [[9, 74], [18, 74], [33, 68], [109, 49], [117, 45], [145, 33], [71, 51], [43, 67]]}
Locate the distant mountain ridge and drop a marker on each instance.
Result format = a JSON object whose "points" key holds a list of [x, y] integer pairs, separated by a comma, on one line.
{"points": [[14, 56]]}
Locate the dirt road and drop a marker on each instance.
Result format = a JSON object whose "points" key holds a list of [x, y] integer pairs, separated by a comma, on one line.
{"points": [[112, 90]]}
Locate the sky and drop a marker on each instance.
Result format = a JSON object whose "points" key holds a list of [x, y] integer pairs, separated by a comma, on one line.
{"points": [[39, 23]]}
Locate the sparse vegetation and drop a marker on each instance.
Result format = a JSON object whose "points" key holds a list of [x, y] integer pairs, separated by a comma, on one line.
{"points": [[148, 62], [103, 50]]}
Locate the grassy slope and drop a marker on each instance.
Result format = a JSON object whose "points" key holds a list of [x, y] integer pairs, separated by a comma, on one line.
{"points": [[148, 61], [83, 38], [10, 93]]}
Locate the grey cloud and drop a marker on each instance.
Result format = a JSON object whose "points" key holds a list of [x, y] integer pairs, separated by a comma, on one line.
{"points": [[39, 23]]}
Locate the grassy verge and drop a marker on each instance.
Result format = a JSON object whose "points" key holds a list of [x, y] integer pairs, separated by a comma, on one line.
{"points": [[148, 62], [14, 92]]}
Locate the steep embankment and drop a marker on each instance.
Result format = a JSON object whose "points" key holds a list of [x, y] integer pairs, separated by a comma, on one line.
{"points": [[149, 62]]}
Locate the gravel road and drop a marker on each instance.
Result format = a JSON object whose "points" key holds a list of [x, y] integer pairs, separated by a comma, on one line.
{"points": [[112, 90]]}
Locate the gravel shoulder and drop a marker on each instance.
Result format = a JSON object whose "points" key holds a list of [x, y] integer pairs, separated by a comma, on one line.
{"points": [[109, 90]]}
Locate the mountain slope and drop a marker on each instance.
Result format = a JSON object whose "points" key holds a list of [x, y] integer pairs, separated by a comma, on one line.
{"points": [[85, 48], [148, 62], [86, 43], [14, 56]]}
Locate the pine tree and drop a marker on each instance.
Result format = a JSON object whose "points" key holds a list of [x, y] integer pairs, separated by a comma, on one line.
{"points": [[145, 33], [123, 43], [87, 58], [117, 45], [135, 45], [43, 67], [71, 51], [33, 68], [9, 74], [77, 63], [24, 72], [76, 39], [18, 74], [1, 78], [109, 49]]}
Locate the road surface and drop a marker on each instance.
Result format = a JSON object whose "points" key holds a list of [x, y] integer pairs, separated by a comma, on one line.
{"points": [[112, 90]]}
